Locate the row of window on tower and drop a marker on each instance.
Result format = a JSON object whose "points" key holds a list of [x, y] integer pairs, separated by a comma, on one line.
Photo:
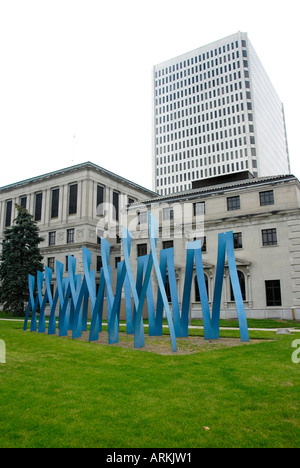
{"points": [[206, 57]]}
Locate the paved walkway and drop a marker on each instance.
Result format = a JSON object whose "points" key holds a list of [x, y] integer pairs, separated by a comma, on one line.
{"points": [[199, 327], [291, 329]]}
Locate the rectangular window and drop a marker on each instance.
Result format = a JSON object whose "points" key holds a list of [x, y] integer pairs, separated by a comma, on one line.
{"points": [[143, 217], [54, 203], [266, 198], [269, 237], [116, 206], [199, 208], [51, 262], [168, 244], [100, 200], [23, 202], [141, 250], [168, 214], [8, 213], [273, 293], [67, 262], [52, 238], [38, 206], [70, 236], [168, 289], [233, 203], [117, 260], [73, 199], [99, 263], [237, 240]]}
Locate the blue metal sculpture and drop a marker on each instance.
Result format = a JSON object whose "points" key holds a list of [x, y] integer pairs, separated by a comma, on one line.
{"points": [[63, 288], [74, 293], [153, 234], [138, 290], [32, 305], [225, 242]]}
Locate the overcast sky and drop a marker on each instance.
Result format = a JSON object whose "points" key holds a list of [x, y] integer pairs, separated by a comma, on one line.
{"points": [[76, 75]]}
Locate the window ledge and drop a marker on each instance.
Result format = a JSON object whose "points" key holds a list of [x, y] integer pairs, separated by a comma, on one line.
{"points": [[271, 245]]}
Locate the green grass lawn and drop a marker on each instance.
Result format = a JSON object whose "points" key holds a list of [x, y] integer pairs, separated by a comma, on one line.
{"points": [[58, 392]]}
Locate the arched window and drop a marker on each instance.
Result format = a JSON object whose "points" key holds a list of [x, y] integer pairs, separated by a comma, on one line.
{"points": [[197, 292], [242, 282]]}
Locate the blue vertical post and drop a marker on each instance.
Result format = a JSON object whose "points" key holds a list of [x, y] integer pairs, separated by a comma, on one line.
{"points": [[52, 318], [153, 234], [97, 310], [236, 288], [42, 302], [139, 334], [203, 293], [105, 251], [31, 301], [90, 293], [63, 287], [48, 298], [186, 300], [128, 306], [96, 301], [218, 287], [167, 264], [150, 301], [115, 313]]}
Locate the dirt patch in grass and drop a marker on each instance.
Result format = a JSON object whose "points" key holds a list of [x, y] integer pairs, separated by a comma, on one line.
{"points": [[162, 344]]}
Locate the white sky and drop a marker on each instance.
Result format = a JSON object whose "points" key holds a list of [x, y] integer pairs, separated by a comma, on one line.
{"points": [[76, 75]]}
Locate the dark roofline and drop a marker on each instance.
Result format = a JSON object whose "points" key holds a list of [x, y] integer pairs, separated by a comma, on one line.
{"points": [[77, 167], [208, 190]]}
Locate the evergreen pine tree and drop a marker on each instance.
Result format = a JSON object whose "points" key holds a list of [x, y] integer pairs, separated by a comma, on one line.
{"points": [[20, 257]]}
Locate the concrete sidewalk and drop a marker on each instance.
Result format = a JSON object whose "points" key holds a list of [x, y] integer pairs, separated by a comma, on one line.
{"points": [[199, 327]]}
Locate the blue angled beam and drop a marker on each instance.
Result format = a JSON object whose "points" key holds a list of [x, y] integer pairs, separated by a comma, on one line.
{"points": [[236, 287], [97, 311], [138, 328], [32, 304], [63, 287], [153, 235]]}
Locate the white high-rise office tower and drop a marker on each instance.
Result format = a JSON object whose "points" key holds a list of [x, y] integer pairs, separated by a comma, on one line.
{"points": [[216, 112]]}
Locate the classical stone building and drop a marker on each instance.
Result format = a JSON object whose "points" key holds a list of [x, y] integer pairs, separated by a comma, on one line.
{"points": [[74, 206], [68, 205], [264, 215]]}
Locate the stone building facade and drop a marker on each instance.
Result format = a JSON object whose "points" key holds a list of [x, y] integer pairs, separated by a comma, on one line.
{"points": [[74, 206], [68, 205], [263, 214]]}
